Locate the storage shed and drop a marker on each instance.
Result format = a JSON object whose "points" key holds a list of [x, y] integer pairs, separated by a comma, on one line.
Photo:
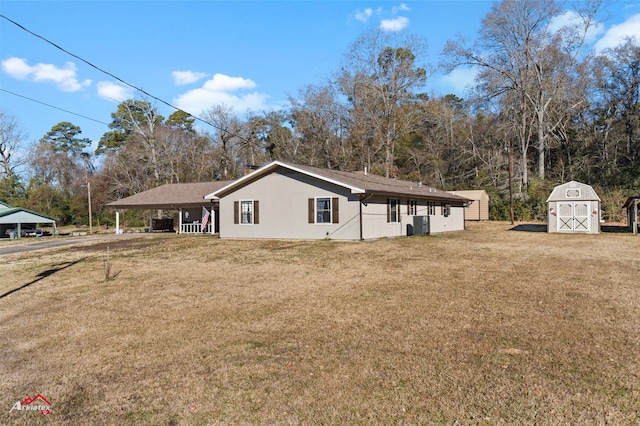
{"points": [[632, 206], [574, 207], [478, 209]]}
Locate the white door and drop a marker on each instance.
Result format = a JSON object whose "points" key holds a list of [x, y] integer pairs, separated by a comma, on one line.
{"points": [[574, 216]]}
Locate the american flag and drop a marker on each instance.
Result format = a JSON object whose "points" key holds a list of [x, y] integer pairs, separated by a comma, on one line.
{"points": [[205, 219]]}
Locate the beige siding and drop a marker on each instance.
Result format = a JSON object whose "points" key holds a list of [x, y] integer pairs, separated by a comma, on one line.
{"points": [[478, 209], [283, 197], [375, 225]]}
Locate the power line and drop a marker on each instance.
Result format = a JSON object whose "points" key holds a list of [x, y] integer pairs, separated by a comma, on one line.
{"points": [[53, 106], [119, 79]]}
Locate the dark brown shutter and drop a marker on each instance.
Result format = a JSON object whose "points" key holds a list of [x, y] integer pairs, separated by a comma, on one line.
{"points": [[311, 210], [256, 211], [388, 210], [334, 208], [408, 207], [236, 212]]}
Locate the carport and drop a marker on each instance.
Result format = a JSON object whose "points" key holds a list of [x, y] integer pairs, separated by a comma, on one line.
{"points": [[195, 214], [15, 221]]}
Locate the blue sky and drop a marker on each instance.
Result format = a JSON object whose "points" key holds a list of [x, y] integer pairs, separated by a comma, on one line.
{"points": [[250, 55]]}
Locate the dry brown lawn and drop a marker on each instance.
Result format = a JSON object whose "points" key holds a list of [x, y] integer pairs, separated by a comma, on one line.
{"points": [[482, 327]]}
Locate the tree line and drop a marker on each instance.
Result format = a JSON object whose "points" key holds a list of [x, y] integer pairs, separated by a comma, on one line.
{"points": [[543, 110]]}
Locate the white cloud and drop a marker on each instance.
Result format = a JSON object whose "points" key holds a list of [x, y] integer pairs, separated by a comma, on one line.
{"points": [[224, 83], [364, 15], [459, 79], [217, 91], [401, 8], [113, 92], [187, 77], [65, 78], [571, 19], [396, 24], [617, 33]]}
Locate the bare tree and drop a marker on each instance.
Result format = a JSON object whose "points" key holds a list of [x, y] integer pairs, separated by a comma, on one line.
{"points": [[12, 139], [523, 55], [380, 78], [226, 139]]}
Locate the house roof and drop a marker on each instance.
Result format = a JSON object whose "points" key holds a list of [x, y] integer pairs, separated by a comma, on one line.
{"points": [[10, 215], [169, 196], [356, 182]]}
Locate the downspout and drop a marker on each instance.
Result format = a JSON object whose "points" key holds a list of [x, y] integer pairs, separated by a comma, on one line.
{"points": [[363, 199], [360, 205]]}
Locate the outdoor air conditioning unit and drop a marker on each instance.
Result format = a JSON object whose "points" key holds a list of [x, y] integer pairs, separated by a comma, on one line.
{"points": [[421, 225]]}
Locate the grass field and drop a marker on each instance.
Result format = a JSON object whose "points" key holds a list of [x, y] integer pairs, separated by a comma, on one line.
{"points": [[481, 327]]}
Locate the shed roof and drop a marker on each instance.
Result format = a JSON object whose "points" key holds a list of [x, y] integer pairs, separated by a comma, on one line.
{"points": [[585, 192], [356, 182], [10, 215], [169, 196], [473, 194], [631, 201]]}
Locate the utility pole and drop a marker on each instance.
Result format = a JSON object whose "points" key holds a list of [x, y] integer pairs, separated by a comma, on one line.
{"points": [[89, 196]]}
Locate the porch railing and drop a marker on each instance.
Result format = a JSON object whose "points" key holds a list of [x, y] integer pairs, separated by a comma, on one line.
{"points": [[194, 228]]}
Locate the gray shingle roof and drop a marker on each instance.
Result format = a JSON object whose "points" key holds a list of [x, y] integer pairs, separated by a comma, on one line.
{"points": [[358, 182], [170, 196]]}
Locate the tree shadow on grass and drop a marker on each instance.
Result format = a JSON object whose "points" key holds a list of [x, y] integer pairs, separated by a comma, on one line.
{"points": [[42, 275], [530, 227], [616, 229]]}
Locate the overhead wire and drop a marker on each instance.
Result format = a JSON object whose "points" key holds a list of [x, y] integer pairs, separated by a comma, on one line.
{"points": [[120, 79], [52, 106]]}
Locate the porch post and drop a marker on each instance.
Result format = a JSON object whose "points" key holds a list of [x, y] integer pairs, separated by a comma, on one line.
{"points": [[117, 222], [180, 220]]}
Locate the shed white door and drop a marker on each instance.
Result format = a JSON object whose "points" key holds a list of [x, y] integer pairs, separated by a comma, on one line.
{"points": [[574, 216]]}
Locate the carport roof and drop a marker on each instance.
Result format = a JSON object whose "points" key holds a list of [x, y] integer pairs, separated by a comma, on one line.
{"points": [[10, 215], [170, 196]]}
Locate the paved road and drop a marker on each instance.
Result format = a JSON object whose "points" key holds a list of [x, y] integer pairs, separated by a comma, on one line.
{"points": [[50, 242]]}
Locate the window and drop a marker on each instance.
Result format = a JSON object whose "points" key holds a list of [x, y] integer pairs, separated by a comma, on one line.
{"points": [[245, 212], [446, 210], [572, 193], [393, 210], [431, 208], [411, 207], [323, 210]]}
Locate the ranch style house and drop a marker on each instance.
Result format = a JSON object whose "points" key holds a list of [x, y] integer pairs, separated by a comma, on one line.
{"points": [[290, 201]]}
